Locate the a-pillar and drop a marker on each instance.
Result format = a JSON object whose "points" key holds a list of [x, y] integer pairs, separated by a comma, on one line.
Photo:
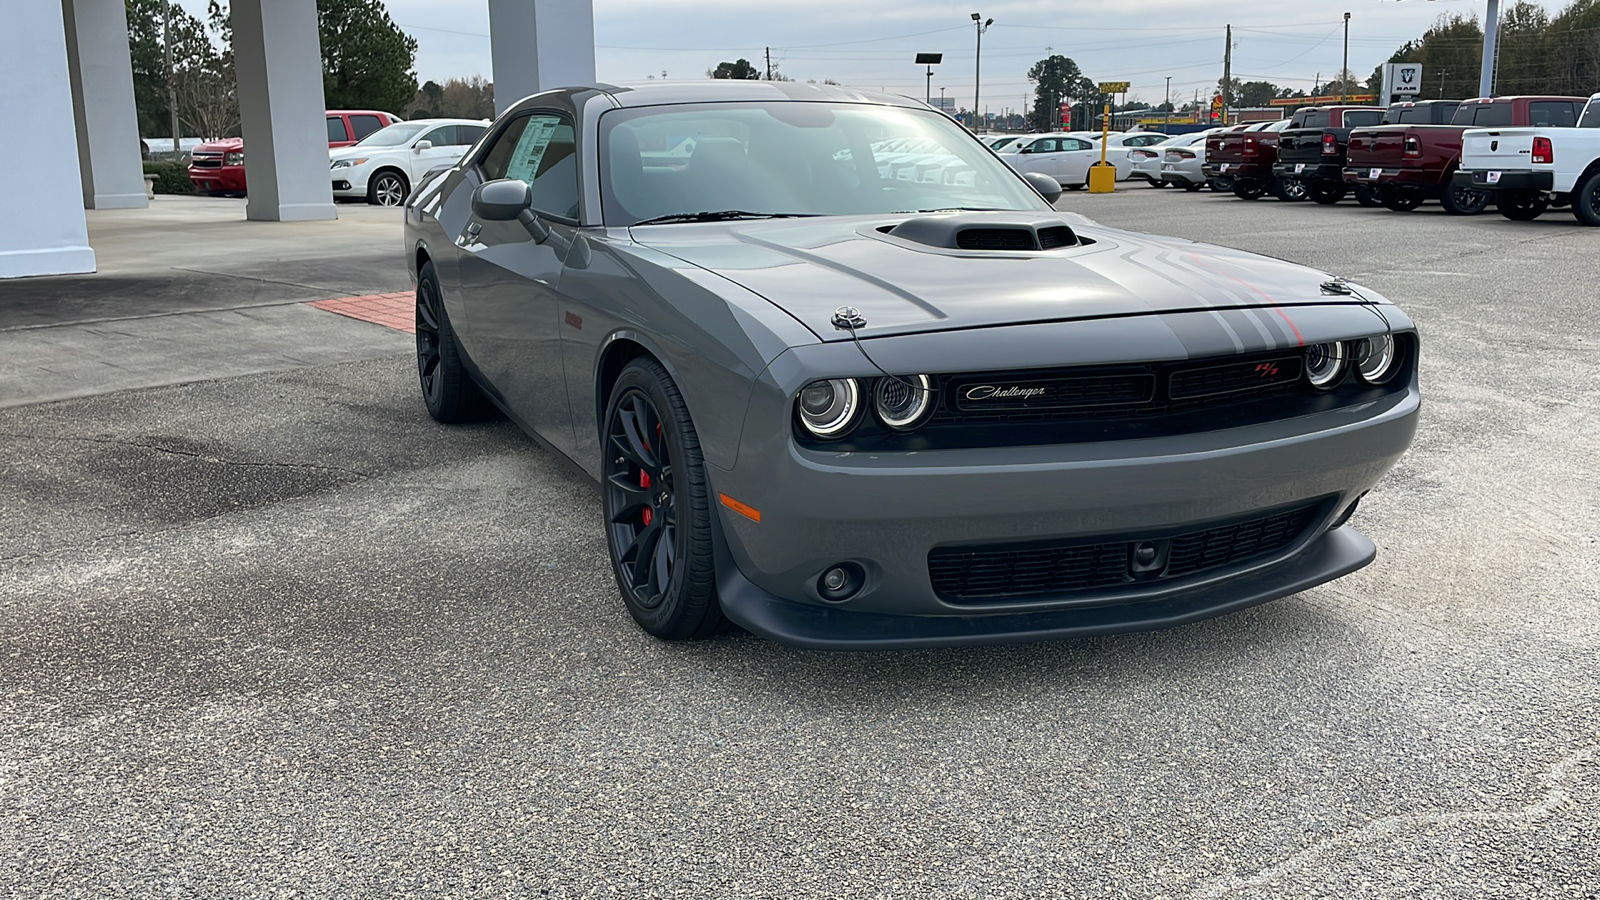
{"points": [[42, 226], [279, 62], [109, 158], [538, 45]]}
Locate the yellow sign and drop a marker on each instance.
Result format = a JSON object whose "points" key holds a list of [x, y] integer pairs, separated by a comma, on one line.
{"points": [[1114, 87]]}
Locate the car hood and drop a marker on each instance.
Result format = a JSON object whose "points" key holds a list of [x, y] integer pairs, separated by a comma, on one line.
{"points": [[352, 152], [811, 267], [225, 145]]}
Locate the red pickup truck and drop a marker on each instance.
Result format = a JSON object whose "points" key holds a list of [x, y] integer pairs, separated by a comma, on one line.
{"points": [[1246, 157], [1415, 158], [217, 167], [1312, 149]]}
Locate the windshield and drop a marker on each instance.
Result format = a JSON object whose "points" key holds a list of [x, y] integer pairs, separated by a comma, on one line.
{"points": [[394, 135], [794, 158]]}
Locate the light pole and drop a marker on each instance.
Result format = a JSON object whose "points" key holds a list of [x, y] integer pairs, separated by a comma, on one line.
{"points": [[1166, 126], [982, 25], [1344, 77]]}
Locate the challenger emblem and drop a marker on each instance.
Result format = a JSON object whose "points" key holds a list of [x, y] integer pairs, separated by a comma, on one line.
{"points": [[1267, 369], [991, 392]]}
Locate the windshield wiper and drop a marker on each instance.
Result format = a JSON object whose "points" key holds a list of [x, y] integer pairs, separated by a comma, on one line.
{"points": [[723, 215]]}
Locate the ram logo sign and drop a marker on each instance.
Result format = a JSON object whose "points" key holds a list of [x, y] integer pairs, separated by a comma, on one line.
{"points": [[1404, 79]]}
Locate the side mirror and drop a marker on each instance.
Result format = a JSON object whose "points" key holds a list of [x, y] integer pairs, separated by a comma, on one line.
{"points": [[420, 146], [502, 201], [1026, 150], [1048, 188]]}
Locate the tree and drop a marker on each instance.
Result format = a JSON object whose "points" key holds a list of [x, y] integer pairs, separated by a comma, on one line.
{"points": [[366, 59], [192, 51], [1449, 52], [1056, 79], [740, 69], [1256, 93]]}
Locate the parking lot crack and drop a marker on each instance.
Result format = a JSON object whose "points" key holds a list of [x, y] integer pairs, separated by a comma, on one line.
{"points": [[203, 457], [1557, 781]]}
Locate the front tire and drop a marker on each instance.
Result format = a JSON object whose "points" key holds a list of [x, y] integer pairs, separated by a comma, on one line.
{"points": [[658, 507], [1521, 206], [1248, 190], [1399, 199], [387, 188], [1289, 190], [1326, 194], [1586, 200], [1458, 201], [447, 389], [1367, 197]]}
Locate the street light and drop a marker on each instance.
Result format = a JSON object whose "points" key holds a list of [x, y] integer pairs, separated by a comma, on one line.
{"points": [[930, 60], [1344, 77], [982, 25]]}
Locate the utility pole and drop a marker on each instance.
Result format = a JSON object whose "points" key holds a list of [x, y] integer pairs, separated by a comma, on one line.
{"points": [[1166, 127], [1227, 75], [1344, 77], [977, 62], [1491, 36], [769, 63], [172, 85]]}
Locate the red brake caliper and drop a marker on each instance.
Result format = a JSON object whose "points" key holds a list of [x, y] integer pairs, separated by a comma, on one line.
{"points": [[644, 481]]}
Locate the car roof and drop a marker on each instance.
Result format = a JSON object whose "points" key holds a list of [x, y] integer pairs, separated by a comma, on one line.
{"points": [[726, 90]]}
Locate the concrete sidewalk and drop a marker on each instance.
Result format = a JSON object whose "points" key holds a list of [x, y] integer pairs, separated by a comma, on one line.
{"points": [[189, 290]]}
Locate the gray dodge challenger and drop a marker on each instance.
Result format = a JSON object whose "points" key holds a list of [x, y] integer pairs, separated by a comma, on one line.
{"points": [[848, 381]]}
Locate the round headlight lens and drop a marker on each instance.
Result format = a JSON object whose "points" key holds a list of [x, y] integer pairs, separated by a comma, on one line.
{"points": [[1375, 359], [903, 401], [828, 408], [1325, 363]]}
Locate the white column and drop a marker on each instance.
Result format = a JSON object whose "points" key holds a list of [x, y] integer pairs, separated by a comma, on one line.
{"points": [[102, 102], [42, 225], [537, 45], [279, 61]]}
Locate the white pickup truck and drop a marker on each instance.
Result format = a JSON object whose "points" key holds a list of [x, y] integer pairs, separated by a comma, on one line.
{"points": [[1531, 169]]}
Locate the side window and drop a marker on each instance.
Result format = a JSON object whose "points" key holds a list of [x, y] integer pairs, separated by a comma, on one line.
{"points": [[1078, 144], [365, 125], [469, 134], [443, 136], [336, 133], [1551, 114], [541, 150], [1043, 145], [1489, 115]]}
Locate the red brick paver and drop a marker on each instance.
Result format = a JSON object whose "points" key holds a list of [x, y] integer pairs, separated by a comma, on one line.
{"points": [[397, 311]]}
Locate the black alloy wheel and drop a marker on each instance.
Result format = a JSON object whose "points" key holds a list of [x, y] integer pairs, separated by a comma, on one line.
{"points": [[1326, 194], [1399, 199], [1367, 197], [1586, 200], [1462, 201], [1521, 206], [448, 391], [1249, 190], [1289, 190], [657, 506], [388, 188]]}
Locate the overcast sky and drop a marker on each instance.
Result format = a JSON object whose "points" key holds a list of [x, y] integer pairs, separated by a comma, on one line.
{"points": [[871, 45]]}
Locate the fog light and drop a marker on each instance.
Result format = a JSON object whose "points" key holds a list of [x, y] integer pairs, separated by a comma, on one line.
{"points": [[841, 582]]}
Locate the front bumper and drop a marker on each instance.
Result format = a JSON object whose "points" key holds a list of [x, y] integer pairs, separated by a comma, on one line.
{"points": [[218, 180], [1310, 171], [350, 182], [886, 512], [1504, 180]]}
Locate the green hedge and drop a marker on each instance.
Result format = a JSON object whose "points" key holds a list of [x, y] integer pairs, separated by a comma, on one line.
{"points": [[171, 177]]}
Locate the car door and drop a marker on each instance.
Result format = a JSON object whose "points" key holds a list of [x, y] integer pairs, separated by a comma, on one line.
{"points": [[1077, 155], [510, 282], [443, 148], [1042, 156]]}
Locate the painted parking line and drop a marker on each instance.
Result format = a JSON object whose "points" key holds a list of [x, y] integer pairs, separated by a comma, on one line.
{"points": [[397, 311]]}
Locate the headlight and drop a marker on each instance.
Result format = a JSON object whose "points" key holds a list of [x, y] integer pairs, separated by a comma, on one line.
{"points": [[1375, 359], [903, 401], [347, 163], [828, 408], [235, 158], [1325, 364]]}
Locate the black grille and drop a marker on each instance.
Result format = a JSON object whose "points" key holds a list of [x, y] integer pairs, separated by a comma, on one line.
{"points": [[977, 574], [1060, 236], [985, 395], [1233, 377], [995, 239], [214, 162]]}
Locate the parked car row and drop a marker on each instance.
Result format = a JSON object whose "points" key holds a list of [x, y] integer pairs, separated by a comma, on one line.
{"points": [[373, 155], [1522, 154]]}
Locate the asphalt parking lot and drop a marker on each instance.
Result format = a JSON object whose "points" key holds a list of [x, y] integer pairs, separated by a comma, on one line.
{"points": [[279, 633]]}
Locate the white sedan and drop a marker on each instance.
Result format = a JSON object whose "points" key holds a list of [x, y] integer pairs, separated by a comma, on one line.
{"points": [[384, 166], [1065, 158]]}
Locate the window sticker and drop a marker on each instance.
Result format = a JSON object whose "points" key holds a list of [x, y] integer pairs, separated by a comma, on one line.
{"points": [[530, 150]]}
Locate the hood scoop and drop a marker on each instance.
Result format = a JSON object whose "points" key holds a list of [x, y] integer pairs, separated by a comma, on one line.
{"points": [[986, 231]]}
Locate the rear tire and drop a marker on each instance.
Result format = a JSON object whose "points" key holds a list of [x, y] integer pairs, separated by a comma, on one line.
{"points": [[1289, 190], [1399, 199], [1462, 201], [1367, 197], [1521, 206], [447, 389], [1586, 200], [1326, 194], [658, 507]]}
